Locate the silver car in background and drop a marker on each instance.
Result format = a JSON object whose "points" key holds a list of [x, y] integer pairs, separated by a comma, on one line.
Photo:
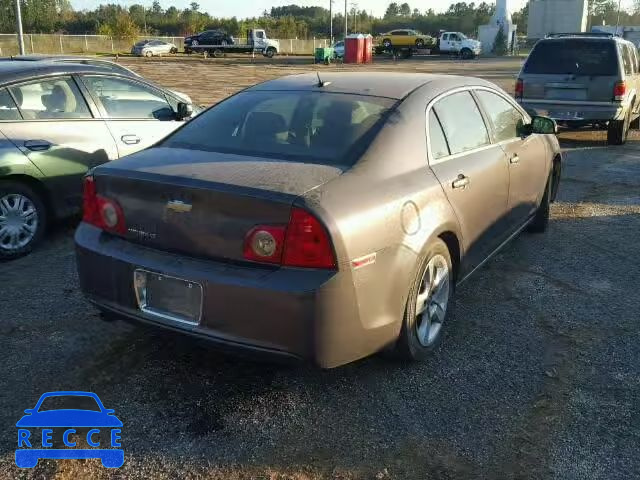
{"points": [[150, 48]]}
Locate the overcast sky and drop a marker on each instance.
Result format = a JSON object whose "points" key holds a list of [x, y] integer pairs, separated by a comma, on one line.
{"points": [[252, 8]]}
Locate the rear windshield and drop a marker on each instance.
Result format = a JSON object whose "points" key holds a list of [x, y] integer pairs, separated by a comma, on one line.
{"points": [[319, 127], [573, 56]]}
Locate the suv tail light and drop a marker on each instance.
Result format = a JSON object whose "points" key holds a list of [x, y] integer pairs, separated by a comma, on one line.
{"points": [[619, 91], [100, 211], [519, 88], [304, 242]]}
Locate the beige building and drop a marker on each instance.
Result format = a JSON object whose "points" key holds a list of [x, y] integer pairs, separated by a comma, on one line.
{"points": [[556, 16]]}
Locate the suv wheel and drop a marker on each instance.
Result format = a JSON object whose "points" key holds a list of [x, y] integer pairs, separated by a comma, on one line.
{"points": [[618, 130], [23, 219]]}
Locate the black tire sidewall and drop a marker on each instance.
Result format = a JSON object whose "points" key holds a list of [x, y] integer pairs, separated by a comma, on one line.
{"points": [[540, 221], [408, 346], [22, 189]]}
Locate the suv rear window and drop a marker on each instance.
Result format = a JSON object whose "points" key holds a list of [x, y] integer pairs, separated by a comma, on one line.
{"points": [[573, 56]]}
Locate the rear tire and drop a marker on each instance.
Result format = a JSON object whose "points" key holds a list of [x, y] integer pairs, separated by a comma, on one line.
{"points": [[432, 291], [12, 244], [618, 130], [540, 221]]}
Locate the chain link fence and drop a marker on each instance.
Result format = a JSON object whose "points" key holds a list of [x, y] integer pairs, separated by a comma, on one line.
{"points": [[79, 44]]}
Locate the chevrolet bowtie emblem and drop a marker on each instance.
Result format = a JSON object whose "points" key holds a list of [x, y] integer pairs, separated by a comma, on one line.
{"points": [[179, 206]]}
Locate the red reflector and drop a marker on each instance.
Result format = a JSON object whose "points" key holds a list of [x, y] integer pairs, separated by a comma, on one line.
{"points": [[90, 213], [619, 90], [519, 88], [307, 242], [100, 211], [264, 243]]}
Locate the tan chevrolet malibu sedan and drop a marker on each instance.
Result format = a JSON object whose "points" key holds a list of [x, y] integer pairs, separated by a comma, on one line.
{"points": [[313, 218]]}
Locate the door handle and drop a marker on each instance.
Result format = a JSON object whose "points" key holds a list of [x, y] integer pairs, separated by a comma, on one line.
{"points": [[37, 145], [130, 139], [461, 182], [514, 159]]}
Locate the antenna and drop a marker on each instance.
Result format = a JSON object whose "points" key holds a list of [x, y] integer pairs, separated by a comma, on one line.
{"points": [[321, 83]]}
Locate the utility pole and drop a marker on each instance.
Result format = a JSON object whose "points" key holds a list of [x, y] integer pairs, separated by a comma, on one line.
{"points": [[354, 6], [19, 27], [346, 19], [331, 22], [618, 20]]}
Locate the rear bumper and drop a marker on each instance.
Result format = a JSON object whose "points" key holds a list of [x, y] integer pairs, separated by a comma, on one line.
{"points": [[286, 312], [575, 111]]}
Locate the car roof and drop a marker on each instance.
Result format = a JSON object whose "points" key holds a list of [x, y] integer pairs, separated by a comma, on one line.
{"points": [[378, 84], [585, 36], [18, 70]]}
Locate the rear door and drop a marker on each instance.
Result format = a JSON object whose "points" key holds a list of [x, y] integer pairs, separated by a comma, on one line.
{"points": [[137, 114], [472, 171], [526, 155], [571, 71], [61, 133]]}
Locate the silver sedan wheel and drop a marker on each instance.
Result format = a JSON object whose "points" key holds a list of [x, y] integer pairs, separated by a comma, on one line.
{"points": [[18, 221], [432, 300]]}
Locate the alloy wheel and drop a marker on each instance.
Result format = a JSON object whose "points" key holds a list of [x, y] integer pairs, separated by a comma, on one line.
{"points": [[18, 221], [432, 300]]}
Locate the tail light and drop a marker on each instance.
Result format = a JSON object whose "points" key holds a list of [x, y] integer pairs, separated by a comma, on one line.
{"points": [[519, 88], [304, 242], [100, 211], [619, 91]]}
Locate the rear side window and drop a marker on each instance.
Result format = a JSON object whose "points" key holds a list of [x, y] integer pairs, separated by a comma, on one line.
{"points": [[437, 142], [626, 59], [8, 108], [573, 56], [462, 122], [55, 98], [322, 128]]}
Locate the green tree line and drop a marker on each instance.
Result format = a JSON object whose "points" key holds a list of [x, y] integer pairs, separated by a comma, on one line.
{"points": [[292, 21]]}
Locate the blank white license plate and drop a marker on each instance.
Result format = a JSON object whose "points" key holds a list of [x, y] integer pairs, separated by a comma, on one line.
{"points": [[168, 297]]}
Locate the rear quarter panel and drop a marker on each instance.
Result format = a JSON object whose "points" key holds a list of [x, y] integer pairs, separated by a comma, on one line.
{"points": [[390, 205]]}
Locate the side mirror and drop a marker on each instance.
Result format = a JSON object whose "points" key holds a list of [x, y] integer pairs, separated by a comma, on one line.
{"points": [[109, 411], [29, 411], [544, 126], [185, 110]]}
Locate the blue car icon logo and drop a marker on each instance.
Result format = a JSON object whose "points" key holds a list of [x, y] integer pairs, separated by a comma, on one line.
{"points": [[80, 420]]}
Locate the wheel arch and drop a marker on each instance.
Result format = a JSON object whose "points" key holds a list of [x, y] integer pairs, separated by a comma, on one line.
{"points": [[37, 186], [556, 173], [452, 242]]}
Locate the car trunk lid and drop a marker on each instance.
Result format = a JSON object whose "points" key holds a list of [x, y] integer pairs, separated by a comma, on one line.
{"points": [[201, 203]]}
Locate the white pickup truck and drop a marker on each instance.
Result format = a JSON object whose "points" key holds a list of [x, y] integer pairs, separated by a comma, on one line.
{"points": [[458, 43]]}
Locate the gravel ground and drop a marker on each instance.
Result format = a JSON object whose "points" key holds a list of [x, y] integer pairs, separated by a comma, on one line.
{"points": [[537, 376]]}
